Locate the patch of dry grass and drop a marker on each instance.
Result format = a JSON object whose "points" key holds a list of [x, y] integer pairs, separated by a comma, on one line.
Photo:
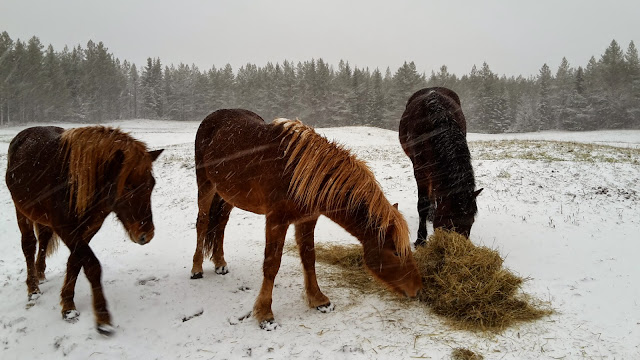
{"points": [[465, 354], [464, 283]]}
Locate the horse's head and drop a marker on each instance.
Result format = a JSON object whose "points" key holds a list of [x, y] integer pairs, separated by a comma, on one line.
{"points": [[392, 265], [456, 212], [132, 203]]}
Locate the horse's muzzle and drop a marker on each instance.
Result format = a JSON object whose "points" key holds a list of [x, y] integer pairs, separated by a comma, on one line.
{"points": [[145, 238]]}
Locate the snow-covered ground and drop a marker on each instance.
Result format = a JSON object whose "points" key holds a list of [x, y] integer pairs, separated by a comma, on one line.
{"points": [[565, 215]]}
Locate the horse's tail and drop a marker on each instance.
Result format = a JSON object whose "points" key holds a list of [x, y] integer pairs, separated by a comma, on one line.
{"points": [[54, 241], [207, 247]]}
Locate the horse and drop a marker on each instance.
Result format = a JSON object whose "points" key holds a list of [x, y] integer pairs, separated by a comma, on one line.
{"points": [[433, 135], [292, 175], [64, 183]]}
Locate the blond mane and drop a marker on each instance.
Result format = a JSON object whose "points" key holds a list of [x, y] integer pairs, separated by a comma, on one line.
{"points": [[88, 150], [328, 176]]}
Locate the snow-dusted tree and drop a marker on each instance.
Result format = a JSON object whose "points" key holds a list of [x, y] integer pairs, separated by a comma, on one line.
{"points": [[152, 88], [633, 88], [56, 100], [341, 91], [6, 49], [376, 101], [545, 111], [561, 88]]}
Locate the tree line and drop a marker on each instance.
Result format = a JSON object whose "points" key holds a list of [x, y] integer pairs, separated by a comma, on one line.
{"points": [[91, 85]]}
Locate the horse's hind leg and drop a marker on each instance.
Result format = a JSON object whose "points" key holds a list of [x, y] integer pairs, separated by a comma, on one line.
{"points": [[425, 211], [29, 249], [213, 215], [45, 234], [218, 218], [305, 241]]}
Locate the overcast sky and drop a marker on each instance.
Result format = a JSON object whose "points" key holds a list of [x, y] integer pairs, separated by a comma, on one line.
{"points": [[512, 36]]}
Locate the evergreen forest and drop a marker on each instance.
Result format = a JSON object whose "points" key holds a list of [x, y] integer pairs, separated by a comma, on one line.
{"points": [[90, 85]]}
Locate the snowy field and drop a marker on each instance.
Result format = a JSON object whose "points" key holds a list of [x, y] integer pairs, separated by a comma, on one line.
{"points": [[564, 214]]}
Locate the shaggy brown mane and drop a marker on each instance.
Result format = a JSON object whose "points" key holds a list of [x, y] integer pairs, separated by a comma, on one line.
{"points": [[337, 180], [88, 150]]}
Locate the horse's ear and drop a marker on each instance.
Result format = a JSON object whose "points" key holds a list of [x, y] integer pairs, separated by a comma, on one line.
{"points": [[477, 192], [155, 153], [395, 206]]}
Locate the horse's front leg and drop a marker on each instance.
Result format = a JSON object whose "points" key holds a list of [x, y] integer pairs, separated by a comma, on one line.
{"points": [[83, 257], [425, 211], [306, 247], [93, 271], [276, 231]]}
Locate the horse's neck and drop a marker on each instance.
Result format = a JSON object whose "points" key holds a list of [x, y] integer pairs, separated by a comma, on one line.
{"points": [[357, 223]]}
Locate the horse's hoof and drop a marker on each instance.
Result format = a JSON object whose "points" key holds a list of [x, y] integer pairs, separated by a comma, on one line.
{"points": [[197, 275], [105, 329], [34, 296], [269, 325], [71, 316], [222, 270], [326, 308], [32, 299]]}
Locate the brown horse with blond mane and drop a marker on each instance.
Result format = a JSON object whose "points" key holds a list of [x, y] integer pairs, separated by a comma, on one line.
{"points": [[292, 175], [64, 183]]}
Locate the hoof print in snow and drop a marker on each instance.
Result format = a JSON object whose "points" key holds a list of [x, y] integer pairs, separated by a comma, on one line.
{"points": [[326, 308], [71, 316], [106, 329], [222, 270], [195, 314], [197, 275], [239, 319], [244, 288], [352, 349], [269, 325], [149, 280]]}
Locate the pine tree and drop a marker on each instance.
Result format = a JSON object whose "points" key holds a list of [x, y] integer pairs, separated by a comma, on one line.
{"points": [[341, 93], [287, 91], [152, 89], [56, 100], [544, 102], [633, 89], [6, 48], [376, 104]]}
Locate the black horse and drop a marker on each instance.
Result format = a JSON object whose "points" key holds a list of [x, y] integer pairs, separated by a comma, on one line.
{"points": [[433, 133]]}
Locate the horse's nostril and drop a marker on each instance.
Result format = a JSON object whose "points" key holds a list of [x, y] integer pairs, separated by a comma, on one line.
{"points": [[142, 239]]}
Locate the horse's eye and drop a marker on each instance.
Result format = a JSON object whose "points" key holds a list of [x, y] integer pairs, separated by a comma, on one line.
{"points": [[395, 253]]}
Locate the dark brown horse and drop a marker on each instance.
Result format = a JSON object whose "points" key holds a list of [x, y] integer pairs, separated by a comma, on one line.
{"points": [[64, 183], [292, 175], [433, 133]]}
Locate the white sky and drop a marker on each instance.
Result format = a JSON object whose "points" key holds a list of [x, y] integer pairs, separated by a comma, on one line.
{"points": [[513, 36]]}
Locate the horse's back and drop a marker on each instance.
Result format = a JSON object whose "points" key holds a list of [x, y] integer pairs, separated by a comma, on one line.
{"points": [[227, 128], [31, 140], [240, 153], [33, 167], [429, 111]]}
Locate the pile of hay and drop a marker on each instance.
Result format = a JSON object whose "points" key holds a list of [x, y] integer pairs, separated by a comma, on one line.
{"points": [[462, 282], [465, 354]]}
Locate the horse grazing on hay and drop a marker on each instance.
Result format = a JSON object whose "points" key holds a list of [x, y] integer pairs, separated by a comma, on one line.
{"points": [[64, 183], [292, 175], [433, 133]]}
